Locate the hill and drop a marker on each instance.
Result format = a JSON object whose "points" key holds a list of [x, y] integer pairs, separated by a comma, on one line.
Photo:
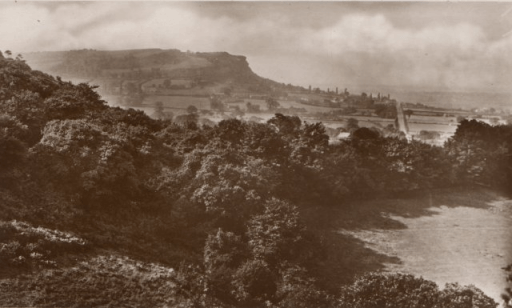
{"points": [[186, 69], [102, 206]]}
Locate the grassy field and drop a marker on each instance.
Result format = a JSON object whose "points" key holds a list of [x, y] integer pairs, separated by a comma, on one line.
{"points": [[285, 104], [442, 128], [178, 102], [431, 119], [447, 235]]}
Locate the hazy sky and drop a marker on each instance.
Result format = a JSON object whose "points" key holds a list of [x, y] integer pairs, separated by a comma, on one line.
{"points": [[447, 45]]}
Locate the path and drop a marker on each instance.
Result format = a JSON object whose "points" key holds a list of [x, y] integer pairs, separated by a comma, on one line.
{"points": [[402, 121]]}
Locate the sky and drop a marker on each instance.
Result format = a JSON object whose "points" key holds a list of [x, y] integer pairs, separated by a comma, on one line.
{"points": [[433, 45]]}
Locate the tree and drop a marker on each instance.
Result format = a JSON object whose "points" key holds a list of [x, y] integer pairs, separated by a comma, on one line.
{"points": [[261, 141], [252, 108], [255, 283], [286, 126], [352, 124], [192, 109], [159, 111], [216, 104], [311, 143], [402, 291], [237, 112], [224, 252], [12, 150], [429, 135], [365, 133], [272, 104], [386, 110], [276, 235], [480, 153], [456, 296], [187, 120], [298, 290], [227, 91], [507, 296], [231, 130]]}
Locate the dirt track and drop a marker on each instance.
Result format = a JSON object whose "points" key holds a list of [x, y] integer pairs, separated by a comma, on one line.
{"points": [[460, 244]]}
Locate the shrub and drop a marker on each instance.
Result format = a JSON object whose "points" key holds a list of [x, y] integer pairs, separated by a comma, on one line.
{"points": [[457, 296], [254, 283], [20, 243], [390, 290], [399, 290]]}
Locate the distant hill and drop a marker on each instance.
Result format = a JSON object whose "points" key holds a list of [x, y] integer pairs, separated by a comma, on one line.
{"points": [[103, 67]]}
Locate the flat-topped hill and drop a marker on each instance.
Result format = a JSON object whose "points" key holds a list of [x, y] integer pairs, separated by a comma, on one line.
{"points": [[209, 67]]}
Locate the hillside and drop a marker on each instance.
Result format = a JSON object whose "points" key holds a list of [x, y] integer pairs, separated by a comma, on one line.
{"points": [[106, 207], [145, 65]]}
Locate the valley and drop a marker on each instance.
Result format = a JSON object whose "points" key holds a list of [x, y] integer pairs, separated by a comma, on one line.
{"points": [[142, 79]]}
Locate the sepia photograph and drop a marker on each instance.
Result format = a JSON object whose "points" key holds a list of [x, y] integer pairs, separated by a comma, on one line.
{"points": [[256, 154]]}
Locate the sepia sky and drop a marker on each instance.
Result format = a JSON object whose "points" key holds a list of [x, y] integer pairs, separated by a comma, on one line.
{"points": [[437, 45]]}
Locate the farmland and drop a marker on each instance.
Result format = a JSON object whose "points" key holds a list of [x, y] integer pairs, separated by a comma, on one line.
{"points": [[178, 102]]}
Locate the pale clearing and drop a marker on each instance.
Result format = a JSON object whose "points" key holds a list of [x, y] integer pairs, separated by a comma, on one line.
{"points": [[463, 244]]}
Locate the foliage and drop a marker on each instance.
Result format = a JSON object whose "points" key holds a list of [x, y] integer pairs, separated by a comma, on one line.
{"points": [[480, 153], [401, 290], [272, 104], [225, 197], [12, 149], [352, 124], [386, 110], [457, 296], [277, 234], [101, 281], [223, 253], [507, 296], [298, 290], [23, 245], [217, 104], [254, 282]]}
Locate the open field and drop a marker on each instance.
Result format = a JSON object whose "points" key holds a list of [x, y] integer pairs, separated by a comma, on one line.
{"points": [[285, 104], [445, 236], [431, 119], [456, 100], [178, 102], [415, 128]]}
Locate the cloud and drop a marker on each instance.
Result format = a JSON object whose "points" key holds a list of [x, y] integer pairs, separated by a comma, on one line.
{"points": [[355, 46]]}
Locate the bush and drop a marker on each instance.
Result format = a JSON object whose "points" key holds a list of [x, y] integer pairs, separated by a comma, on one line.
{"points": [[21, 244], [376, 290], [457, 296], [254, 283]]}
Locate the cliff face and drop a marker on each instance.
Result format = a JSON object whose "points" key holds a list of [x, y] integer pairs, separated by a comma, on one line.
{"points": [[145, 64]]}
